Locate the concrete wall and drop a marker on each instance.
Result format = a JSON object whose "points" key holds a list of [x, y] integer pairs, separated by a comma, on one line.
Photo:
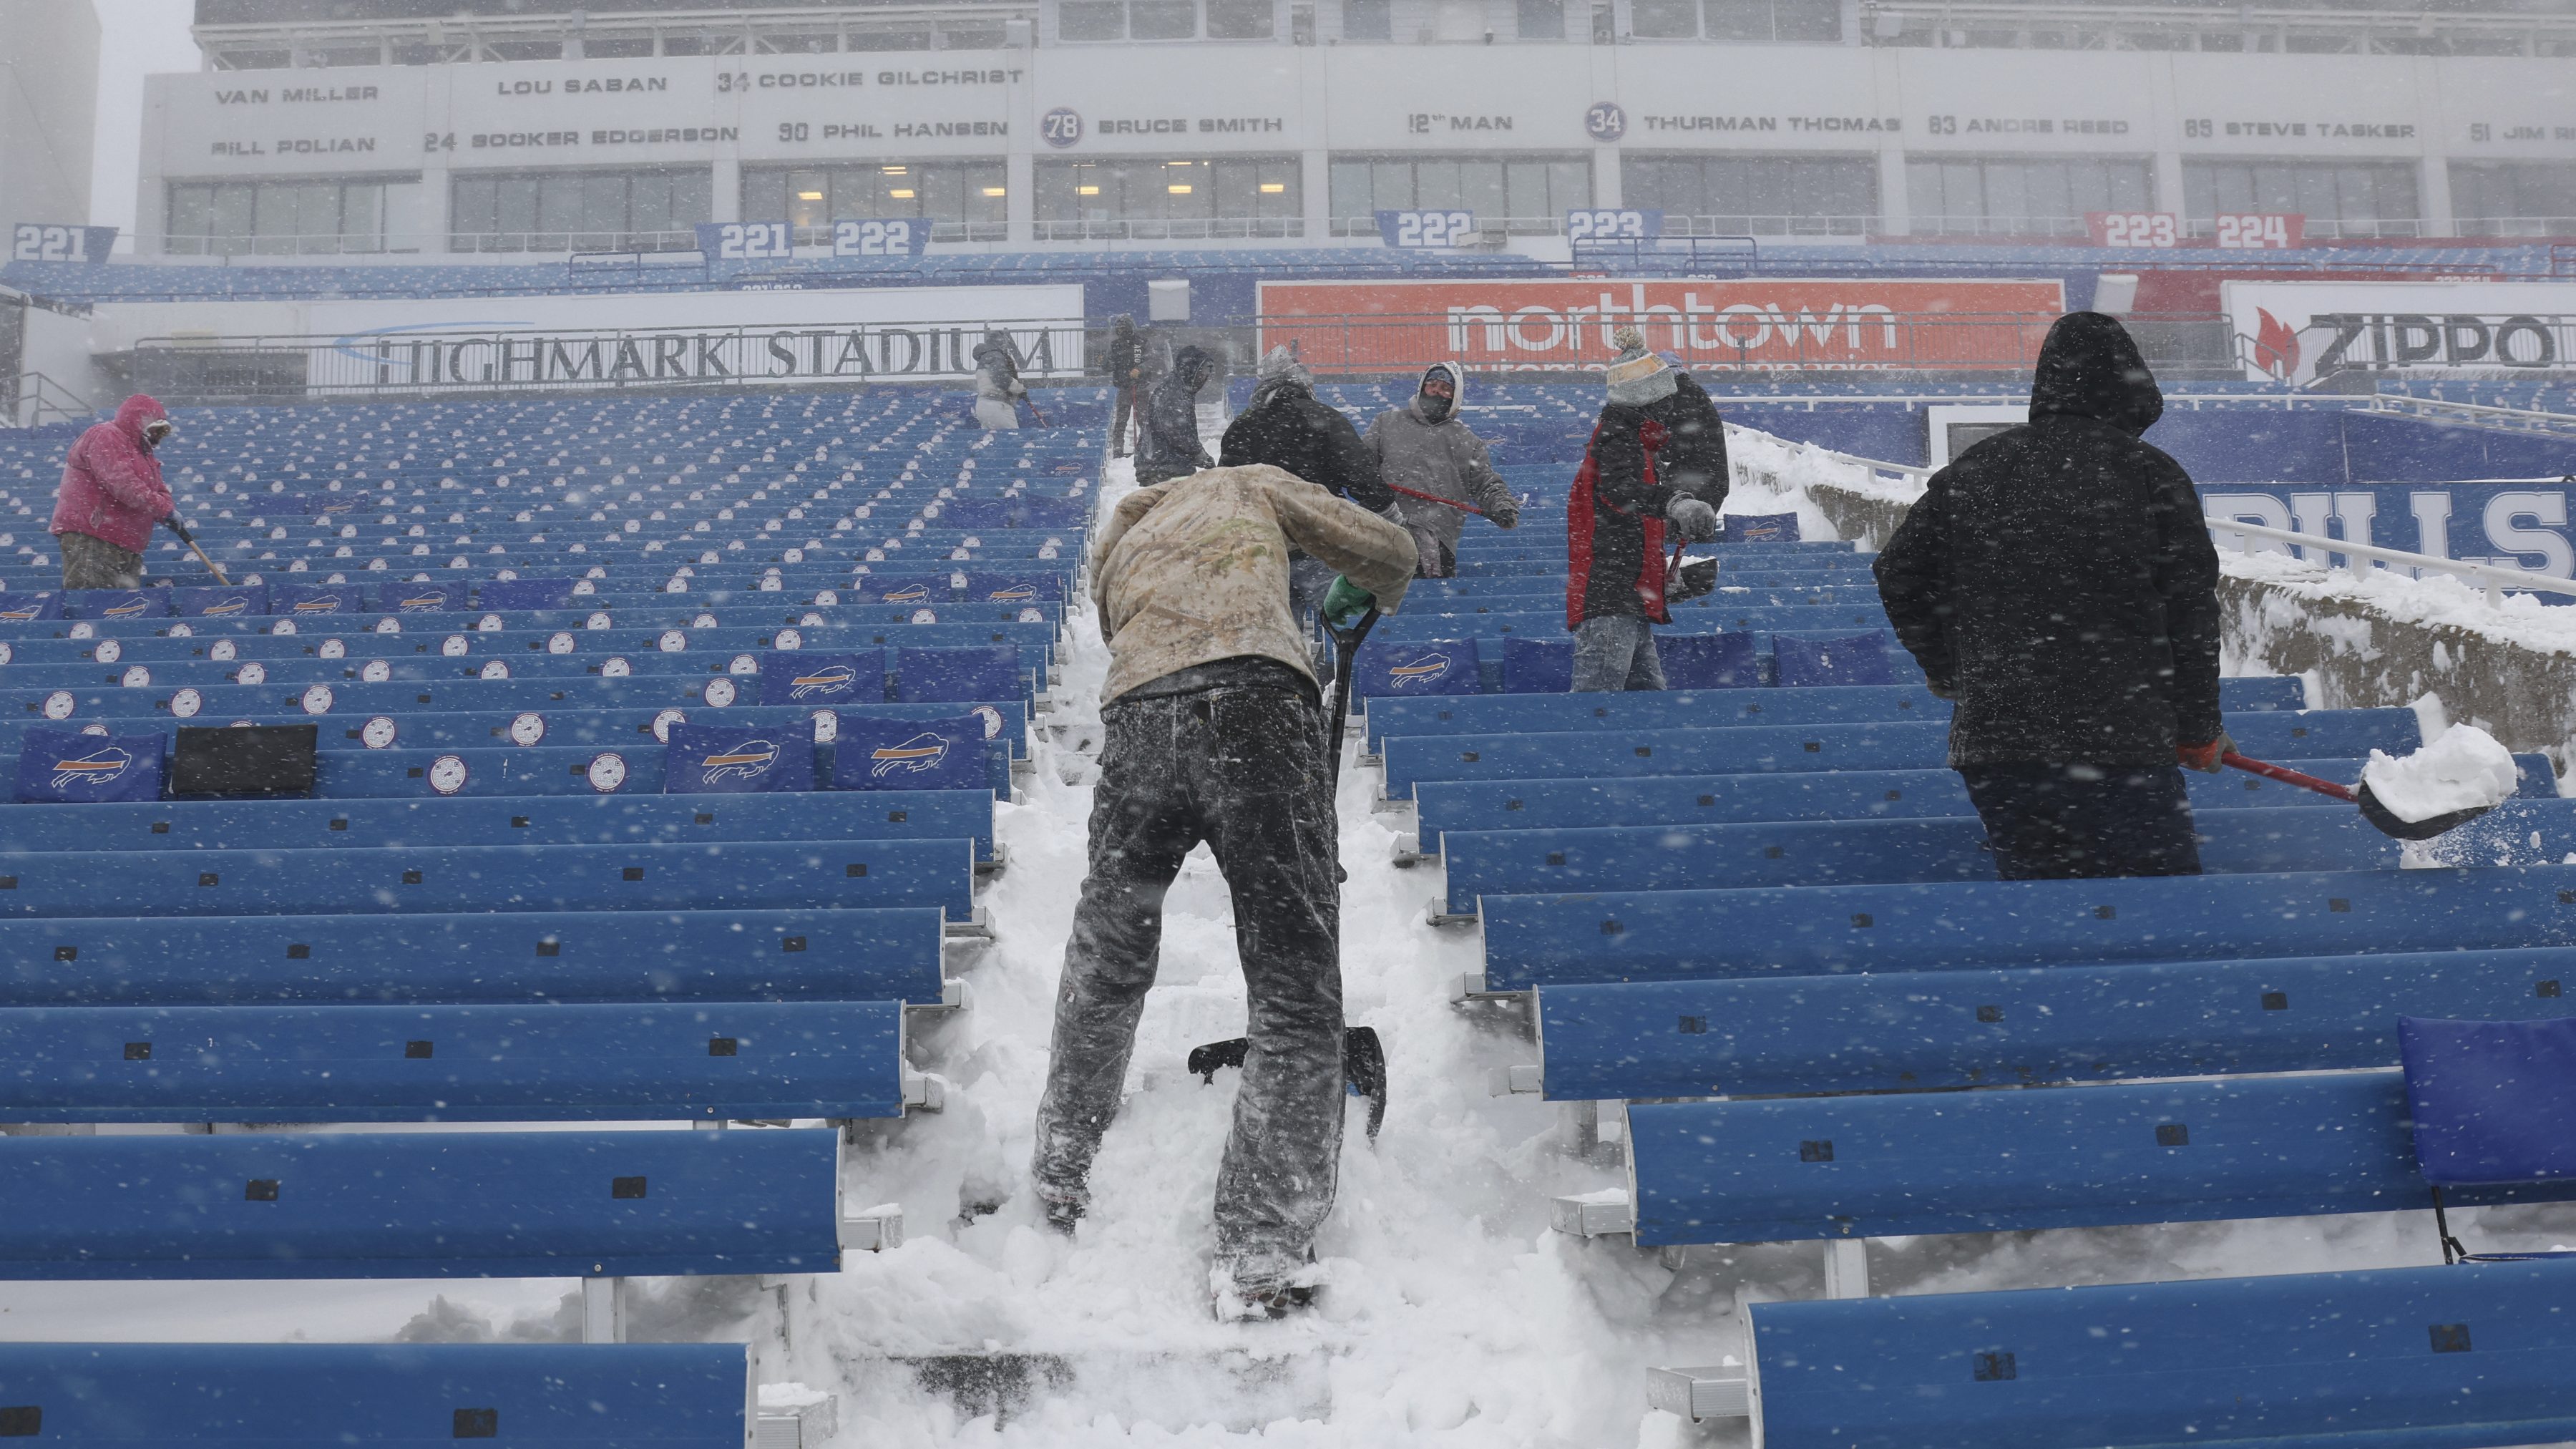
{"points": [[48, 110]]}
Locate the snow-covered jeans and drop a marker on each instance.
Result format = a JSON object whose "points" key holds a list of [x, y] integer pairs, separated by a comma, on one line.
{"points": [[1616, 653], [1242, 767]]}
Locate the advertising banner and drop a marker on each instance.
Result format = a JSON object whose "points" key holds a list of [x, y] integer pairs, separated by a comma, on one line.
{"points": [[1761, 323], [2300, 331], [2520, 525], [599, 342]]}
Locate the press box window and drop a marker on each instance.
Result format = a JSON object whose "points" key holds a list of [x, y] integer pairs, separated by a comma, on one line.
{"points": [[1368, 20], [276, 218], [2338, 198], [1143, 197], [1239, 19], [1727, 195], [2021, 196], [555, 211], [1528, 195], [2514, 198], [964, 200]]}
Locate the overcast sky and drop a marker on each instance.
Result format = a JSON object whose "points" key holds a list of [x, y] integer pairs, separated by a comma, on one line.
{"points": [[135, 37]]}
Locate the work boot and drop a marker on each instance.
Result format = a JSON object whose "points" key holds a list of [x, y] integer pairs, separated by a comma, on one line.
{"points": [[1249, 1290], [1063, 1210]]}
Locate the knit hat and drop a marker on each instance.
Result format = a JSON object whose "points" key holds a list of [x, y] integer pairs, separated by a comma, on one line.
{"points": [[1281, 365], [1637, 377]]}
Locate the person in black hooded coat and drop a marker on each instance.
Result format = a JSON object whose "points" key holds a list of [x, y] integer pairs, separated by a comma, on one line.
{"points": [[2057, 581]]}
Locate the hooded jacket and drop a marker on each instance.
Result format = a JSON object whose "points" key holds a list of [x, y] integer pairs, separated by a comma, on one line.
{"points": [[997, 377], [1196, 570], [1442, 459], [1640, 459], [1126, 353], [1288, 427], [1168, 444], [112, 485], [2058, 578]]}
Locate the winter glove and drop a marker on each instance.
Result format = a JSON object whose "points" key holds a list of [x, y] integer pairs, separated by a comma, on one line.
{"points": [[1345, 602], [1506, 513], [1942, 689], [2205, 758], [1698, 521]]}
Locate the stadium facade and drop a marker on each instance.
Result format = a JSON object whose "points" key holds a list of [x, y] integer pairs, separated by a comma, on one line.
{"points": [[400, 128]]}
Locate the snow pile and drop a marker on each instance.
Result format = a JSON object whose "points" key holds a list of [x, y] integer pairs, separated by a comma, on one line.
{"points": [[1765, 463], [2464, 769], [2440, 600]]}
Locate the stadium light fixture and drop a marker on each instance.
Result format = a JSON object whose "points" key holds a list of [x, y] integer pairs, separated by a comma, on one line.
{"points": [[1273, 188], [901, 195], [1180, 189], [895, 170], [1086, 191], [809, 196], [997, 191]]}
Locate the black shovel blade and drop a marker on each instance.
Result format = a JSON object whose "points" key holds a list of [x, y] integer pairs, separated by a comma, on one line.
{"points": [[2386, 823], [1363, 1066]]}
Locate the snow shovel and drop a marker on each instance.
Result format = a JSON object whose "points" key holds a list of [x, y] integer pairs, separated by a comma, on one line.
{"points": [[1363, 1067], [1346, 647], [2379, 816], [190, 540]]}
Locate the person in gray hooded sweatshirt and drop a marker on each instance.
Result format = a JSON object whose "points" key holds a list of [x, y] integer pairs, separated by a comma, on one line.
{"points": [[997, 382], [1438, 469]]}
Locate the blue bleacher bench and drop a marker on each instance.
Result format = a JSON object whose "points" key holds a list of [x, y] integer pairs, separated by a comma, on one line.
{"points": [[312, 1395], [1534, 941], [891, 954], [530, 820], [709, 1061], [1552, 861], [1443, 805], [2401, 1358], [420, 1205], [1887, 1165], [1772, 749], [1931, 1030], [765, 875]]}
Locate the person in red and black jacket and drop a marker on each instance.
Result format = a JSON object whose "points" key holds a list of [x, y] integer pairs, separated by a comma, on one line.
{"points": [[1653, 477]]}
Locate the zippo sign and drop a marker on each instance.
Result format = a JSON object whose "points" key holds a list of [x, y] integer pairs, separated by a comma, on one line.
{"points": [[2297, 332], [1557, 326], [2518, 525]]}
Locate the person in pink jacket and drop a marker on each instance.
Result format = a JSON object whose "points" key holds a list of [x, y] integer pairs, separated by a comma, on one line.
{"points": [[111, 496]]}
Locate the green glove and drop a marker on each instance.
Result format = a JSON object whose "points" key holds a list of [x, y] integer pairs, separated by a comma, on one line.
{"points": [[1344, 602]]}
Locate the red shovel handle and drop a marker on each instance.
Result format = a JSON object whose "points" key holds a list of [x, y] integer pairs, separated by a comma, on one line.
{"points": [[2289, 776]]}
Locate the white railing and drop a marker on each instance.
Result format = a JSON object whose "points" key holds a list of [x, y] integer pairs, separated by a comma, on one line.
{"points": [[2495, 579]]}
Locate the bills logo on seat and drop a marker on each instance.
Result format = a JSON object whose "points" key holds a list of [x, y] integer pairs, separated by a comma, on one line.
{"points": [[228, 606], [27, 608], [885, 752], [748, 760], [718, 759], [420, 603], [61, 766], [131, 608], [1016, 594], [317, 606], [1429, 666], [924, 751], [100, 766], [837, 679], [908, 594]]}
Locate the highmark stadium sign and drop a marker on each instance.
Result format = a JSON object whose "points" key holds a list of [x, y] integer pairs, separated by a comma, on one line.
{"points": [[607, 343]]}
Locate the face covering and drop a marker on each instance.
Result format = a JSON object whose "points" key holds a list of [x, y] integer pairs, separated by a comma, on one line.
{"points": [[1434, 408]]}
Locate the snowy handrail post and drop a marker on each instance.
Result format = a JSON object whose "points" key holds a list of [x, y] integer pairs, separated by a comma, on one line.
{"points": [[2493, 578]]}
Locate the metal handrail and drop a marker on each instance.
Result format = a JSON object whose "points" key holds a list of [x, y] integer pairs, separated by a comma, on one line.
{"points": [[25, 400], [2529, 418], [2493, 578]]}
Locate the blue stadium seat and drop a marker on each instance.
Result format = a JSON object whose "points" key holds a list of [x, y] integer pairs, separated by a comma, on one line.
{"points": [[420, 1205], [1858, 659], [1931, 1030], [505, 958], [2395, 1357], [649, 1395]]}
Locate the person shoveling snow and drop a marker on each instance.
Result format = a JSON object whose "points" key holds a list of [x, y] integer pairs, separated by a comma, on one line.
{"points": [[2464, 770]]}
